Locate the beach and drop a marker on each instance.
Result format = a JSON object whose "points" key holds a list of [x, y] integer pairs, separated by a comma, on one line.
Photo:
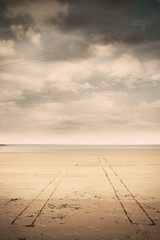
{"points": [[107, 193]]}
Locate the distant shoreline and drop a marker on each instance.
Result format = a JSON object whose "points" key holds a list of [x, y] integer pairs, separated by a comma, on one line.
{"points": [[82, 145], [2, 145]]}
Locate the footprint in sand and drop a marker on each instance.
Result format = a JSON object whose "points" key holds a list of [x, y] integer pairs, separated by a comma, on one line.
{"points": [[22, 238], [13, 199]]}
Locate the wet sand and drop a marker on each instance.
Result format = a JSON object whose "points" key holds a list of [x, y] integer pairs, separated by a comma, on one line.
{"points": [[77, 194]]}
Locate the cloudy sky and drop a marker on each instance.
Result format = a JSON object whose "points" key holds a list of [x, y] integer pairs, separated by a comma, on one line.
{"points": [[80, 71]]}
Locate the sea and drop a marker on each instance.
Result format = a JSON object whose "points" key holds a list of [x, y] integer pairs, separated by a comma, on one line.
{"points": [[54, 147]]}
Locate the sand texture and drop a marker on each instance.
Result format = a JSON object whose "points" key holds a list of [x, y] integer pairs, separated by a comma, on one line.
{"points": [[90, 194]]}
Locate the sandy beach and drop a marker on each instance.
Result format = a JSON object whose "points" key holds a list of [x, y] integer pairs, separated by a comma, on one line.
{"points": [[110, 194]]}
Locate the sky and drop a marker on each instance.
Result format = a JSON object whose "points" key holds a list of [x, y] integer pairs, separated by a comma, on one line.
{"points": [[80, 71]]}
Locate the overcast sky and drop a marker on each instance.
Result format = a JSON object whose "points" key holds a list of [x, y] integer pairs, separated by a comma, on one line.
{"points": [[80, 71]]}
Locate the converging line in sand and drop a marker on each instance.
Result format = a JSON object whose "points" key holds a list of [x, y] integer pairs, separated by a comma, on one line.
{"points": [[36, 197], [40, 211], [110, 174]]}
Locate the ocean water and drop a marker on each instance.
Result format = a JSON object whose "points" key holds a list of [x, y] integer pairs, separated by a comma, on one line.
{"points": [[54, 147]]}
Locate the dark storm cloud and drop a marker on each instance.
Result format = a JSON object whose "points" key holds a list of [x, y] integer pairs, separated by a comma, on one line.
{"points": [[82, 23], [32, 12], [5, 32], [5, 22], [89, 16]]}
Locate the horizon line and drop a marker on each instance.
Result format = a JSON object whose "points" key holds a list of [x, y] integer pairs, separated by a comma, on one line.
{"points": [[82, 144]]}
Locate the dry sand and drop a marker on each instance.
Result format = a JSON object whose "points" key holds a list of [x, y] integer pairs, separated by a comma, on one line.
{"points": [[78, 194]]}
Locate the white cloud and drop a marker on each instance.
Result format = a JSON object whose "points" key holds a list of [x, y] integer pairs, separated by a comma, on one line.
{"points": [[125, 65], [156, 76], [34, 36], [144, 124], [7, 49], [70, 86], [9, 94], [18, 31], [103, 51], [9, 107], [28, 76], [95, 73], [120, 67], [89, 91], [149, 106]]}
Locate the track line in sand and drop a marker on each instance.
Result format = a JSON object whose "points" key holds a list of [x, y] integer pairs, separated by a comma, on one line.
{"points": [[87, 165], [153, 223], [128, 165], [130, 193], [14, 220], [40, 211], [125, 211], [111, 167]]}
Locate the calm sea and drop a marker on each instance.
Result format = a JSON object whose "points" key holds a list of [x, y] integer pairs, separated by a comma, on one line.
{"points": [[53, 147]]}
